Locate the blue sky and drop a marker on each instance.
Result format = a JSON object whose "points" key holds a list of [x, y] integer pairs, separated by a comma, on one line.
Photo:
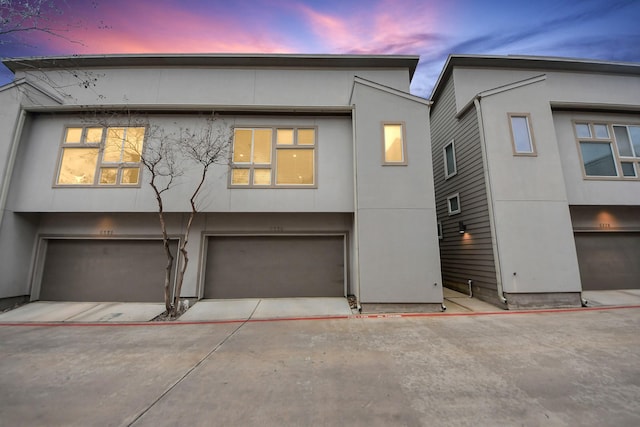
{"points": [[592, 29]]}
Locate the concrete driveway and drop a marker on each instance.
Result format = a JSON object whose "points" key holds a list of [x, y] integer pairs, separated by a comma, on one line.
{"points": [[513, 369]]}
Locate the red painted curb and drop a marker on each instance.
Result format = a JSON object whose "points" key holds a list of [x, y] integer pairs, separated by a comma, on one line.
{"points": [[340, 317]]}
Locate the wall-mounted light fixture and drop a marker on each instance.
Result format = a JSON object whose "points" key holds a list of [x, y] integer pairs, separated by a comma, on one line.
{"points": [[461, 227]]}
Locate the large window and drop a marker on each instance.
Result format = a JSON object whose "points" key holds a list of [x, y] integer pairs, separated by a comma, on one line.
{"points": [[609, 150], [100, 156], [521, 135], [394, 149], [449, 154], [274, 157]]}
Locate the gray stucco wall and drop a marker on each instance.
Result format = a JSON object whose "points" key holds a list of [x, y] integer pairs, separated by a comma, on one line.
{"points": [[395, 211], [33, 190]]}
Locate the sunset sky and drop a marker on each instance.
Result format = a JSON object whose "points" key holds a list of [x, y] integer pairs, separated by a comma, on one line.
{"points": [[595, 29]]}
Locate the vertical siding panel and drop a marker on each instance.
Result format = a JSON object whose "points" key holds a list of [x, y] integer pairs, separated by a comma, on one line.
{"points": [[468, 256]]}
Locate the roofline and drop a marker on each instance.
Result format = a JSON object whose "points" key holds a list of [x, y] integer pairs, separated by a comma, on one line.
{"points": [[216, 60], [548, 63]]}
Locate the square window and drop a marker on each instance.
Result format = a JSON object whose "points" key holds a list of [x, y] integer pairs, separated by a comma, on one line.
{"points": [[629, 169], [78, 166], [583, 130], [394, 146], [262, 177], [240, 176], [521, 134], [602, 131], [295, 167], [306, 136], [597, 158], [453, 204], [73, 135], [450, 168], [284, 137]]}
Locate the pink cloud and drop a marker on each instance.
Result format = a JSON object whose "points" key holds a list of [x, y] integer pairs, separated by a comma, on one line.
{"points": [[385, 27], [150, 27]]}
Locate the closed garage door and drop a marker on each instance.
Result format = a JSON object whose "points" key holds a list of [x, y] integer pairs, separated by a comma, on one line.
{"points": [[609, 260], [274, 267], [104, 270]]}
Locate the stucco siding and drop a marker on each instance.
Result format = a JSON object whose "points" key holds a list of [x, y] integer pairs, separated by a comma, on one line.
{"points": [[395, 210], [36, 166]]}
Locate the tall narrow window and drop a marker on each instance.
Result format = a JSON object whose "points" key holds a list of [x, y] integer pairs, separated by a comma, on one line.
{"points": [[453, 204], [449, 153], [395, 152], [521, 135]]}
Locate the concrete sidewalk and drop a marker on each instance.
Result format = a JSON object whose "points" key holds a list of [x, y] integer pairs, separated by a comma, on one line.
{"points": [[578, 368]]}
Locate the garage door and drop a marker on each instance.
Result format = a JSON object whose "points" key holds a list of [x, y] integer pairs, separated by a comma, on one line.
{"points": [[104, 270], [274, 267], [609, 260]]}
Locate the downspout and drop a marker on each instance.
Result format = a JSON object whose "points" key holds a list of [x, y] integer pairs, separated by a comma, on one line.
{"points": [[356, 240], [492, 220], [10, 162]]}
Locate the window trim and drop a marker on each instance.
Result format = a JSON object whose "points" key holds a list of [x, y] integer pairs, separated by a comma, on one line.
{"points": [[455, 162], [99, 162], [273, 166], [532, 139], [452, 212], [405, 160], [618, 160]]}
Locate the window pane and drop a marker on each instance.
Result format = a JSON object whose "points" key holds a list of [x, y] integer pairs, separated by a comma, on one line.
{"points": [[450, 161], [635, 139], [242, 146], [113, 145], [133, 144], [598, 159], [306, 136], [628, 169], [521, 136], [622, 141], [240, 176], [262, 146], [582, 130], [94, 135], [108, 176], [295, 166], [73, 135], [454, 204], [78, 166], [284, 136], [130, 176], [602, 131], [393, 149], [262, 177]]}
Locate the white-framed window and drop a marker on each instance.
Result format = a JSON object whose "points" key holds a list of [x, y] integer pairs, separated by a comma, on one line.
{"points": [[100, 156], [440, 235], [608, 150], [449, 157], [394, 149], [522, 140], [453, 204], [265, 157]]}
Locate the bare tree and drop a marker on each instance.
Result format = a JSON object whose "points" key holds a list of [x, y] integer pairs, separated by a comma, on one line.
{"points": [[19, 17], [166, 157]]}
